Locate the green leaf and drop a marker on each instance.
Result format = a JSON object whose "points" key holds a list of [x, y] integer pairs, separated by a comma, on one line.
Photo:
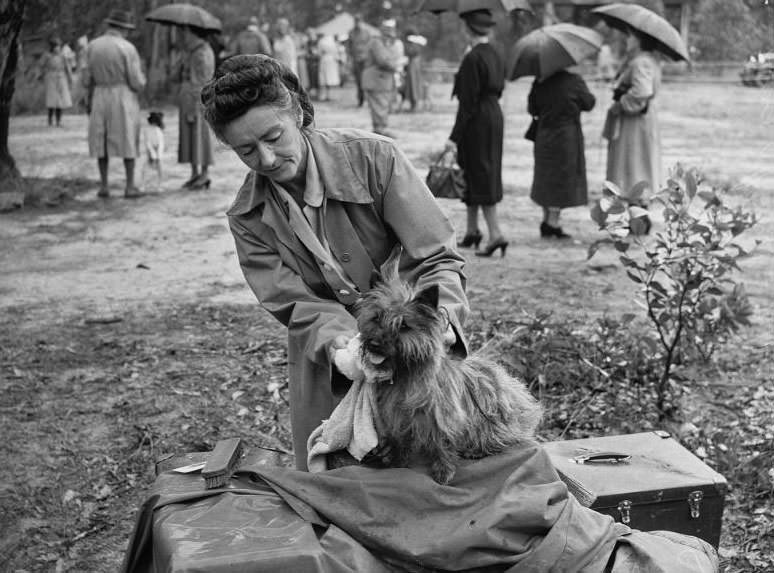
{"points": [[635, 212], [710, 199], [598, 215], [690, 184], [628, 262], [638, 226], [621, 246], [634, 277], [637, 191], [612, 188]]}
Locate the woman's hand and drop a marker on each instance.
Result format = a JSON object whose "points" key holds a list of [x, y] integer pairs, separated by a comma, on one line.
{"points": [[340, 341], [450, 146], [346, 357]]}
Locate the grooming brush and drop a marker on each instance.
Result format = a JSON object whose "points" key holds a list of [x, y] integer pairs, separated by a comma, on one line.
{"points": [[222, 462]]}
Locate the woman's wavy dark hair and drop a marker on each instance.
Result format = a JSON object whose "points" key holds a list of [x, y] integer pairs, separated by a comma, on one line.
{"points": [[246, 81]]}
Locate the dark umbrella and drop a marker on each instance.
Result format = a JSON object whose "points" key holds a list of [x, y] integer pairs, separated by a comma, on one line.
{"points": [[185, 15], [461, 6], [547, 50], [648, 22]]}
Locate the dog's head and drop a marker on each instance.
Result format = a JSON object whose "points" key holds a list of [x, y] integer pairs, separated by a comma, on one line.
{"points": [[400, 330]]}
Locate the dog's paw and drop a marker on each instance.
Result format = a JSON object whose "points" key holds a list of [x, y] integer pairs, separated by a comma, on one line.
{"points": [[441, 472]]}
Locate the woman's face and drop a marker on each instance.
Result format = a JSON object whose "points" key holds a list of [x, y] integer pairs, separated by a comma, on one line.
{"points": [[632, 42], [268, 140]]}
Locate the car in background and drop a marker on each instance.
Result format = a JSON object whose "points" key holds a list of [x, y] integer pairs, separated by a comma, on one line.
{"points": [[759, 71]]}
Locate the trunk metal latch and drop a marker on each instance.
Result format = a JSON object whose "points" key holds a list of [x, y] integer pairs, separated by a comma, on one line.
{"points": [[694, 502], [625, 509]]}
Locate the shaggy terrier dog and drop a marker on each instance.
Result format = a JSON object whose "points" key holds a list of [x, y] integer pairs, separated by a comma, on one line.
{"points": [[431, 405]]}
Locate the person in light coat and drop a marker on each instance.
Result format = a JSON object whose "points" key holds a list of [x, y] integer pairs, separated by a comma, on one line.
{"points": [[113, 78], [195, 141], [58, 79], [320, 211], [632, 127], [378, 79]]}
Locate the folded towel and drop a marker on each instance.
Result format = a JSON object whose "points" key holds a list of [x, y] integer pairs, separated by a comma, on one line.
{"points": [[351, 425]]}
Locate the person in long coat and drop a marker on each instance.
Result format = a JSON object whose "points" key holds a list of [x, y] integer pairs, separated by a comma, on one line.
{"points": [[113, 77], [378, 78], [477, 136], [632, 127], [58, 80], [319, 212], [195, 141], [328, 71], [559, 180], [414, 85]]}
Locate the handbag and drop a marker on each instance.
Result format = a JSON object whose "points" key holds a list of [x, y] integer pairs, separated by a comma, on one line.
{"points": [[531, 132], [445, 179]]}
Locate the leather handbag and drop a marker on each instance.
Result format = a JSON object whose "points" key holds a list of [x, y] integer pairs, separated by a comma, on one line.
{"points": [[445, 178], [531, 133]]}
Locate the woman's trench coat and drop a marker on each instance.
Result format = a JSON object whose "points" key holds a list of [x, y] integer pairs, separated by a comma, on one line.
{"points": [[374, 202], [195, 141], [560, 161], [58, 80], [631, 128]]}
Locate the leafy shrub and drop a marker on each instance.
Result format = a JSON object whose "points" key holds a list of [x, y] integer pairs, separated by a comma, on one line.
{"points": [[684, 271]]}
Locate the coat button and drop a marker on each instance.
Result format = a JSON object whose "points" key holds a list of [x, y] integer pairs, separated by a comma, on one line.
{"points": [[327, 267], [346, 257]]}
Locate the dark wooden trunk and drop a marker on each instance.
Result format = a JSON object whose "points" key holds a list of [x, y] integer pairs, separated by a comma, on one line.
{"points": [[11, 12], [662, 486]]}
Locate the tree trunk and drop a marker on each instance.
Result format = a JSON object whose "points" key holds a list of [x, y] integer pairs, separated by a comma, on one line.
{"points": [[11, 188]]}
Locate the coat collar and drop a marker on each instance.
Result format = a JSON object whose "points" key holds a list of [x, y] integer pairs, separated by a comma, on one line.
{"points": [[333, 155]]}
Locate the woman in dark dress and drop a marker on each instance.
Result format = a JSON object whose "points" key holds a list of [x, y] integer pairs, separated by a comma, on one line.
{"points": [[477, 136], [560, 165]]}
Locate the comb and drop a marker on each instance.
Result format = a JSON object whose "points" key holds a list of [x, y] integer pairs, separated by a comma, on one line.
{"points": [[222, 462]]}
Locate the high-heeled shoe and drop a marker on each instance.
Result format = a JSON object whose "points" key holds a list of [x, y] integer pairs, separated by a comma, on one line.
{"points": [[201, 182], [547, 231], [191, 180], [501, 244], [471, 239]]}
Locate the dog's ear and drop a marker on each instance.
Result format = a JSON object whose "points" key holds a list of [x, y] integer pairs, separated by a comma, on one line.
{"points": [[376, 278], [429, 296]]}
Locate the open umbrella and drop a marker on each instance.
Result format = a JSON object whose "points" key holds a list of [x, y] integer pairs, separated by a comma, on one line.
{"points": [[547, 50], [460, 6], [648, 22], [184, 15]]}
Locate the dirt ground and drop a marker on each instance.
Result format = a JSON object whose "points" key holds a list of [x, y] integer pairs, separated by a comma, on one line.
{"points": [[127, 330]]}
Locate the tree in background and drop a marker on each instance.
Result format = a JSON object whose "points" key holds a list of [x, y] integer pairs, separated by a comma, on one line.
{"points": [[11, 13], [724, 30]]}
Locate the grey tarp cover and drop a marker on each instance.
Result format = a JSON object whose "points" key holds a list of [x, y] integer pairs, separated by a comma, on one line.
{"points": [[503, 513]]}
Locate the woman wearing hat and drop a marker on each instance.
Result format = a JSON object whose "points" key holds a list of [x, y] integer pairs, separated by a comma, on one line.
{"points": [[477, 136], [631, 126], [195, 141], [58, 81]]}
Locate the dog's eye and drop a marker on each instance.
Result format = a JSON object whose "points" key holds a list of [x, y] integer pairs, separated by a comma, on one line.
{"points": [[404, 325]]}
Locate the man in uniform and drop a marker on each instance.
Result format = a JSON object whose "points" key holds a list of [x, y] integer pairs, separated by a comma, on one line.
{"points": [[113, 77], [359, 38], [378, 78]]}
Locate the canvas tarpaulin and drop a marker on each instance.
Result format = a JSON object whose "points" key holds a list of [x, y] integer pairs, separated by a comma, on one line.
{"points": [[503, 513]]}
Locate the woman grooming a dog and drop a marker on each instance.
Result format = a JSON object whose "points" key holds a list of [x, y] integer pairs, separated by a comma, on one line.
{"points": [[319, 213]]}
